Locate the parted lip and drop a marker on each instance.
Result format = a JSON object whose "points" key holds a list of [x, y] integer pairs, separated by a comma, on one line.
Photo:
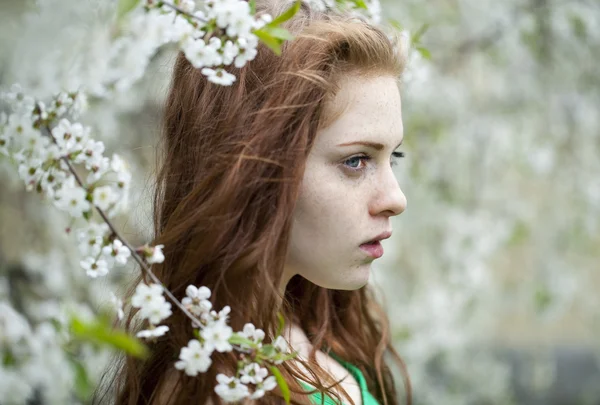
{"points": [[381, 236]]}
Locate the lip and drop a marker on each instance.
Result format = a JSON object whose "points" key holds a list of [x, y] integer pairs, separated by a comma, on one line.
{"points": [[373, 246], [373, 249], [380, 237]]}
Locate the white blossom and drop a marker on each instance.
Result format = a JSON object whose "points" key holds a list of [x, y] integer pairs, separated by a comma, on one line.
{"points": [[104, 197], [151, 302], [91, 238], [201, 54], [154, 254], [219, 76], [216, 336], [118, 304], [94, 267], [230, 388], [72, 198], [70, 137], [145, 294], [267, 385], [117, 251], [247, 50], [193, 359], [251, 332], [253, 373], [156, 311], [153, 332]]}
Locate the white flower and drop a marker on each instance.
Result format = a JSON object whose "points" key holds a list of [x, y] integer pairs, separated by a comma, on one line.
{"points": [[219, 76], [94, 268], [118, 303], [103, 197], [216, 337], [153, 332], [51, 179], [145, 294], [151, 302], [222, 316], [193, 359], [31, 173], [156, 311], [119, 252], [195, 295], [187, 5], [281, 346], [230, 388], [197, 300], [253, 373], [91, 239], [262, 387], [70, 137], [98, 169], [230, 51], [201, 54], [248, 51], [72, 198], [251, 332], [91, 153], [119, 166], [155, 254]]}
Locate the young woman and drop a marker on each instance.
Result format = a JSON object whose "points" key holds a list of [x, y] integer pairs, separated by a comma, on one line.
{"points": [[274, 193]]}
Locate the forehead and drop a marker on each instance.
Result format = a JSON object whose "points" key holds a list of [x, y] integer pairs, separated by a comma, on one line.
{"points": [[365, 108]]}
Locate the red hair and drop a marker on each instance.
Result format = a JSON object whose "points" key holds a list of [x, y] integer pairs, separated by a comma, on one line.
{"points": [[232, 162]]}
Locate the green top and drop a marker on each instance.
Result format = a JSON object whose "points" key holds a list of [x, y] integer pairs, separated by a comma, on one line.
{"points": [[367, 398]]}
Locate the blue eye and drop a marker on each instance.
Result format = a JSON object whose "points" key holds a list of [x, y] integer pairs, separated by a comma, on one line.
{"points": [[355, 161]]}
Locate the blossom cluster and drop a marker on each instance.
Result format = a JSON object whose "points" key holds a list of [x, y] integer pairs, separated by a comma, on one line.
{"points": [[212, 34], [214, 334]]}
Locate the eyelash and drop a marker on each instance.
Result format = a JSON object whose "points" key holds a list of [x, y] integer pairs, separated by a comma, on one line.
{"points": [[395, 155]]}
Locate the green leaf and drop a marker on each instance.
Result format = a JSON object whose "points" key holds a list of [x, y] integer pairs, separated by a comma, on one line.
{"points": [[268, 350], [424, 52], [543, 298], [252, 6], [281, 323], [578, 26], [269, 40], [83, 385], [360, 4], [125, 6], [286, 15], [8, 359], [280, 33], [100, 333], [236, 339], [285, 390], [417, 35], [396, 24]]}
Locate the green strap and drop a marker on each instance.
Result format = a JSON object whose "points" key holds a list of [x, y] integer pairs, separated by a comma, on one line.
{"points": [[367, 398]]}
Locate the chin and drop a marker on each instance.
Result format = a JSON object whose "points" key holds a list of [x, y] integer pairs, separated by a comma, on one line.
{"points": [[355, 280]]}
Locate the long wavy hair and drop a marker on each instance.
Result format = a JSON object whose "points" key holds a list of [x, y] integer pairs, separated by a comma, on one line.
{"points": [[231, 164]]}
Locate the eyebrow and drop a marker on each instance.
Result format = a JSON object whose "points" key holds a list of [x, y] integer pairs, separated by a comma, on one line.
{"points": [[374, 145]]}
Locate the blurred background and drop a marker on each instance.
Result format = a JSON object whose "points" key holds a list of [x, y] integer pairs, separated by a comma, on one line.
{"points": [[491, 278]]}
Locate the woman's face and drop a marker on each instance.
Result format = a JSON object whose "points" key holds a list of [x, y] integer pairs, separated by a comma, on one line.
{"points": [[349, 191]]}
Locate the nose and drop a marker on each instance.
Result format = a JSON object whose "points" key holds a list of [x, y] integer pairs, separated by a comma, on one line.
{"points": [[388, 200]]}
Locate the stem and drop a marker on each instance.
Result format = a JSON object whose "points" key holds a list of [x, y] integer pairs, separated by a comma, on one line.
{"points": [[181, 11]]}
